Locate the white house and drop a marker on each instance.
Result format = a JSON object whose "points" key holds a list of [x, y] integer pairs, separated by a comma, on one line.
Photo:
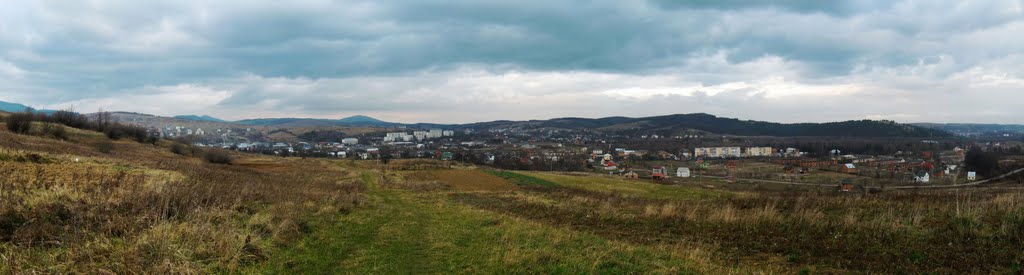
{"points": [[950, 169], [922, 177], [683, 172]]}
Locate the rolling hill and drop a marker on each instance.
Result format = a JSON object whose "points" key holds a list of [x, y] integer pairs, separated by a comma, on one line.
{"points": [[668, 125], [358, 120], [17, 107], [201, 118], [681, 123], [973, 127]]}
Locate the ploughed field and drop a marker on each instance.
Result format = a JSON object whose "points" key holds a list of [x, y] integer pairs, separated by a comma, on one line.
{"points": [[87, 204]]}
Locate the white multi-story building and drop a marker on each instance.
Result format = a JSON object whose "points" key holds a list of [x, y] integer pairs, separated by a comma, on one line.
{"points": [[436, 133], [420, 135], [398, 136], [718, 152], [350, 141]]}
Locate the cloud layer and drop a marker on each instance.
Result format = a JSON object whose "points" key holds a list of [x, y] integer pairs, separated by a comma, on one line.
{"points": [[465, 61]]}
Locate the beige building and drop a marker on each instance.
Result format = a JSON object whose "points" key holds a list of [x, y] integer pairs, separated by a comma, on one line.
{"points": [[759, 151]]}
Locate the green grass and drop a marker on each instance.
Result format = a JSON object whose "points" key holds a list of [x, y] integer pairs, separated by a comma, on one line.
{"points": [[522, 179], [618, 185], [406, 232]]}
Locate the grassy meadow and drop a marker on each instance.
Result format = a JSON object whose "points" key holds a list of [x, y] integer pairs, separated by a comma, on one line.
{"points": [[88, 204]]}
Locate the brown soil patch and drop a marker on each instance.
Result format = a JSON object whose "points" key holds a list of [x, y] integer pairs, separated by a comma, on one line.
{"points": [[469, 180]]}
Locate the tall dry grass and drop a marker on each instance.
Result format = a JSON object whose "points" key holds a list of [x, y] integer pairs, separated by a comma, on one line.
{"points": [[946, 231], [142, 209]]}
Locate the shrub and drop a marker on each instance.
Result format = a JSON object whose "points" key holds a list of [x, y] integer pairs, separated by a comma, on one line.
{"points": [[218, 156], [117, 131], [137, 133], [114, 132], [179, 149], [70, 118], [55, 130], [20, 123]]}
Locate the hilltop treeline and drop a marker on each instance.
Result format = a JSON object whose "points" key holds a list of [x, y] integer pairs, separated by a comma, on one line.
{"points": [[674, 124], [322, 135], [54, 122], [852, 128]]}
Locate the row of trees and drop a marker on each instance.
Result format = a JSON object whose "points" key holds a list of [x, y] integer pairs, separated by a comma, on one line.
{"points": [[985, 163], [21, 123]]}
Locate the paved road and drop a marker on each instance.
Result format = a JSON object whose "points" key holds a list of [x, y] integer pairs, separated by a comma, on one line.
{"points": [[968, 184]]}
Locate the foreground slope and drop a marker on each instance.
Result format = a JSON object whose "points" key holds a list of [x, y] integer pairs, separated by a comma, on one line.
{"points": [[466, 220], [89, 204]]}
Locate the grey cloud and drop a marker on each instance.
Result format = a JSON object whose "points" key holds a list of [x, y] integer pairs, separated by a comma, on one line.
{"points": [[802, 6], [329, 55]]}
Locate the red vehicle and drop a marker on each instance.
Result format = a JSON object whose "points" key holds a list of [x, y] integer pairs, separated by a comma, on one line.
{"points": [[659, 173]]}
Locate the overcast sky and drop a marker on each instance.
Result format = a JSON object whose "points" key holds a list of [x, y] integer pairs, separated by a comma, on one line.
{"points": [[454, 61]]}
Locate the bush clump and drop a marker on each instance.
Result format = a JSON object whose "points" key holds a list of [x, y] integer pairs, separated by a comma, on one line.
{"points": [[20, 123], [55, 130], [70, 118], [218, 156], [179, 149], [119, 131]]}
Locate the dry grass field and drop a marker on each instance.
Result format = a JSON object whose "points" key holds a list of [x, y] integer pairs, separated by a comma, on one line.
{"points": [[73, 206], [66, 207]]}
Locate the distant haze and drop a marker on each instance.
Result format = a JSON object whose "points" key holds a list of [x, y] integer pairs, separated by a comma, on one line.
{"points": [[458, 61]]}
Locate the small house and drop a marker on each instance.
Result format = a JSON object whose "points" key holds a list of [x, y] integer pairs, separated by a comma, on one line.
{"points": [[848, 168], [609, 165], [683, 172], [922, 177], [950, 169], [631, 175], [846, 185]]}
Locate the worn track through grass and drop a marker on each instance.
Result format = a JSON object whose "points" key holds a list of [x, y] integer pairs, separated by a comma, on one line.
{"points": [[412, 232]]}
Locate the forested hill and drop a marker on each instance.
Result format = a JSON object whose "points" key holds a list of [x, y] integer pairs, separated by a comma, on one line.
{"points": [[671, 124], [973, 127]]}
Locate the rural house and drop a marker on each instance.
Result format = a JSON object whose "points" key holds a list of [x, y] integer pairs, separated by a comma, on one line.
{"points": [[683, 172]]}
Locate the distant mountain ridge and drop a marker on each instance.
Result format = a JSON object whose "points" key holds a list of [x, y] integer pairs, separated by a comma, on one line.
{"points": [[17, 107], [201, 118], [973, 127], [358, 120], [667, 125], [682, 123], [361, 119]]}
